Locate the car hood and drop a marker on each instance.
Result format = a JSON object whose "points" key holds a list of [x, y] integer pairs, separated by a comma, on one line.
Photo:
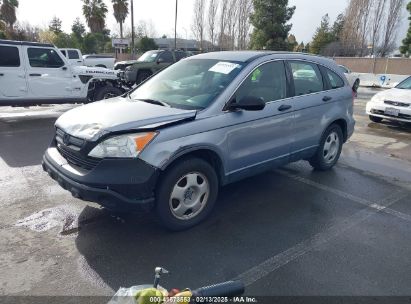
{"points": [[96, 119], [398, 95]]}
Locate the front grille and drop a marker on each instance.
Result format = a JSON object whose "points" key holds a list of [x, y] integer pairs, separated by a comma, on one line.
{"points": [[396, 103], [400, 115], [70, 148]]}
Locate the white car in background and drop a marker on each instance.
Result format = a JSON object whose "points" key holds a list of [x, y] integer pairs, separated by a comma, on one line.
{"points": [[75, 58], [393, 104], [352, 78]]}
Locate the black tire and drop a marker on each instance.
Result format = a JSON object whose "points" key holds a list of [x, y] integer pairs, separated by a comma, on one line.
{"points": [[107, 92], [321, 161], [143, 75], [375, 119], [174, 177]]}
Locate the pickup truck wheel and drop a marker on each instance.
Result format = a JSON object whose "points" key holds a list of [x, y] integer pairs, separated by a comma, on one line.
{"points": [[107, 92], [186, 194], [143, 75], [329, 150]]}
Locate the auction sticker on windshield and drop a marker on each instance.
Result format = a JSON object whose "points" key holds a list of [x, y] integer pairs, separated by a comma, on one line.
{"points": [[224, 67]]}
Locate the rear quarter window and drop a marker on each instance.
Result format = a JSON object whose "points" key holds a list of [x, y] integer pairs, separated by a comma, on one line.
{"points": [[9, 56], [334, 80], [73, 54]]}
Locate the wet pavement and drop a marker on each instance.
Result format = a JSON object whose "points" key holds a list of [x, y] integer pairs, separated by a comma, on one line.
{"points": [[290, 231]]}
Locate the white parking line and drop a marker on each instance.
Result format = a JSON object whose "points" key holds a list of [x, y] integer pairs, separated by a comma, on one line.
{"points": [[275, 262]]}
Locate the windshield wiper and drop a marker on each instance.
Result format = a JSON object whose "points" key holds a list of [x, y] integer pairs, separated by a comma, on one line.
{"points": [[156, 102]]}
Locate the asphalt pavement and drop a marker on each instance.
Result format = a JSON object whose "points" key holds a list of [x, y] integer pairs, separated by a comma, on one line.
{"points": [[290, 231]]}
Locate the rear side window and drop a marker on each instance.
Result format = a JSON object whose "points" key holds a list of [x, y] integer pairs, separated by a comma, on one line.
{"points": [[334, 80], [44, 58], [73, 54], [307, 78], [9, 56]]}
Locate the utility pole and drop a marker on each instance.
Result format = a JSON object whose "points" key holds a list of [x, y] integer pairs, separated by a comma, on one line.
{"points": [[132, 30], [175, 27]]}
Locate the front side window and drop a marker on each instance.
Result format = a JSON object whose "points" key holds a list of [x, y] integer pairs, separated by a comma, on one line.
{"points": [[73, 54], [267, 82], [307, 78], [334, 80], [405, 85], [167, 57], [44, 58], [189, 84], [9, 56]]}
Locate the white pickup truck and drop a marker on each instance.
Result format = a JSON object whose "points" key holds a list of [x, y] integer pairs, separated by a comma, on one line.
{"points": [[36, 73], [75, 57]]}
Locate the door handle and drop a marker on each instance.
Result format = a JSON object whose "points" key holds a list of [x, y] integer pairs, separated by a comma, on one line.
{"points": [[283, 108], [327, 98], [35, 75], [1, 74], [79, 61]]}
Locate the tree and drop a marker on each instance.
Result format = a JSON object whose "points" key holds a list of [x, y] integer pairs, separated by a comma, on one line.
{"points": [[270, 20], [223, 24], [78, 29], [406, 43], [292, 43], [376, 22], [55, 25], [8, 12], [338, 27], [198, 25], [391, 25], [211, 21], [322, 37], [245, 10], [146, 44], [120, 8], [95, 12]]}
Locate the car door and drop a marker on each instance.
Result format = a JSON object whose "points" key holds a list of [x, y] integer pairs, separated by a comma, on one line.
{"points": [[262, 138], [164, 60], [311, 102], [13, 81], [47, 73]]}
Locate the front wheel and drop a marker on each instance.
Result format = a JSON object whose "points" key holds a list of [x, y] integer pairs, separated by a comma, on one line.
{"points": [[186, 194], [329, 150], [107, 92]]}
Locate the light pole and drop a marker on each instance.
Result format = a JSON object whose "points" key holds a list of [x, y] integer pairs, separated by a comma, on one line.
{"points": [[175, 27], [132, 29]]}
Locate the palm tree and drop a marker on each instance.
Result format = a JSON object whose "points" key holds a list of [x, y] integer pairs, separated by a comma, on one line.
{"points": [[8, 11], [95, 13], [120, 12]]}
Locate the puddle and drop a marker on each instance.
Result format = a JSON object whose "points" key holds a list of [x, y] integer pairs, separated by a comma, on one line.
{"points": [[63, 216]]}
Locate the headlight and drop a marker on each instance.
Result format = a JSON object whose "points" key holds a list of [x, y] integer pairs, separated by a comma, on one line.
{"points": [[123, 146]]}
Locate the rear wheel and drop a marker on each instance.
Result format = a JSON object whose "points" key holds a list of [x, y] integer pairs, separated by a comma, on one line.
{"points": [[186, 194], [375, 119], [107, 92], [329, 151]]}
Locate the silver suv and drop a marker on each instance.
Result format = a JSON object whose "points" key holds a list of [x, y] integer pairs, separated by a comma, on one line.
{"points": [[202, 123]]}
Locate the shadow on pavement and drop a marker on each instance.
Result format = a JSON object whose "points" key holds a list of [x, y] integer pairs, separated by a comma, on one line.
{"points": [[253, 220], [24, 140]]}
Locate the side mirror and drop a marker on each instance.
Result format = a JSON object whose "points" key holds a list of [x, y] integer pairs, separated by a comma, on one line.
{"points": [[249, 103]]}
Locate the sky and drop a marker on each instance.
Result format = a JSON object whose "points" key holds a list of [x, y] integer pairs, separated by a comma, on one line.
{"points": [[161, 13]]}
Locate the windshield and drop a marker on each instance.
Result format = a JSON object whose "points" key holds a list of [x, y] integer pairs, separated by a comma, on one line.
{"points": [[148, 56], [405, 85], [189, 84]]}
